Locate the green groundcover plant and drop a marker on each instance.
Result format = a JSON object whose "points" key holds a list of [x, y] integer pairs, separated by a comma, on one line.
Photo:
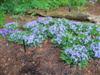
{"points": [[79, 42]]}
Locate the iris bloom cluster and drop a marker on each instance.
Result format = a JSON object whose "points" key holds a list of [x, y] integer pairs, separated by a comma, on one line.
{"points": [[33, 39], [77, 53], [58, 31], [76, 38], [17, 36], [30, 24], [45, 20], [4, 32], [34, 34], [96, 48]]}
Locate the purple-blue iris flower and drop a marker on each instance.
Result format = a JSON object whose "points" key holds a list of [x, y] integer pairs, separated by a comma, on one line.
{"points": [[5, 32], [96, 48], [31, 24]]}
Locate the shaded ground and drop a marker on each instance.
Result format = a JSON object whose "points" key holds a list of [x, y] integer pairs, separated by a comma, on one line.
{"points": [[38, 61]]}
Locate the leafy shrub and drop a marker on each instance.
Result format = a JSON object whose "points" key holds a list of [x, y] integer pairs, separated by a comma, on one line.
{"points": [[2, 19], [7, 5], [57, 3], [21, 6], [12, 6], [40, 4], [79, 41]]}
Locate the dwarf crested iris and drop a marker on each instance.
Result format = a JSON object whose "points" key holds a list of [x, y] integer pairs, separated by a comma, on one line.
{"points": [[58, 31], [77, 53], [44, 20], [77, 39], [30, 24], [96, 48], [4, 32]]}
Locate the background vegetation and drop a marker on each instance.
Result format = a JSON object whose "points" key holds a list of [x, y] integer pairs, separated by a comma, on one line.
{"points": [[2, 19], [21, 6]]}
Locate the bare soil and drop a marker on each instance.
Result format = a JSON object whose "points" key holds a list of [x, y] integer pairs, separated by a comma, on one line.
{"points": [[94, 9]]}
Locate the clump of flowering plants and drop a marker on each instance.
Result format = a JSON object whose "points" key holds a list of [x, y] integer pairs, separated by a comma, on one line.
{"points": [[17, 36], [11, 25], [78, 46], [8, 29], [58, 31], [4, 32], [79, 41], [77, 54]]}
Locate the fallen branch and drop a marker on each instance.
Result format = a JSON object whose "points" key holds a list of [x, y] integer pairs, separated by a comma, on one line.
{"points": [[78, 16]]}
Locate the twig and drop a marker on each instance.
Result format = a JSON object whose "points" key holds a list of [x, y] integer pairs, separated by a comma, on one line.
{"points": [[24, 46]]}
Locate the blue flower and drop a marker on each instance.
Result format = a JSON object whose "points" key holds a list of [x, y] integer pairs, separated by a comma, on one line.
{"points": [[4, 32], [44, 20], [17, 36], [96, 48], [29, 39], [11, 25], [77, 53], [58, 31], [30, 24]]}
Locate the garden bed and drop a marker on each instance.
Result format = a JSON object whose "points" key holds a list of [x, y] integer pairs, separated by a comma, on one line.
{"points": [[45, 58], [17, 58]]}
